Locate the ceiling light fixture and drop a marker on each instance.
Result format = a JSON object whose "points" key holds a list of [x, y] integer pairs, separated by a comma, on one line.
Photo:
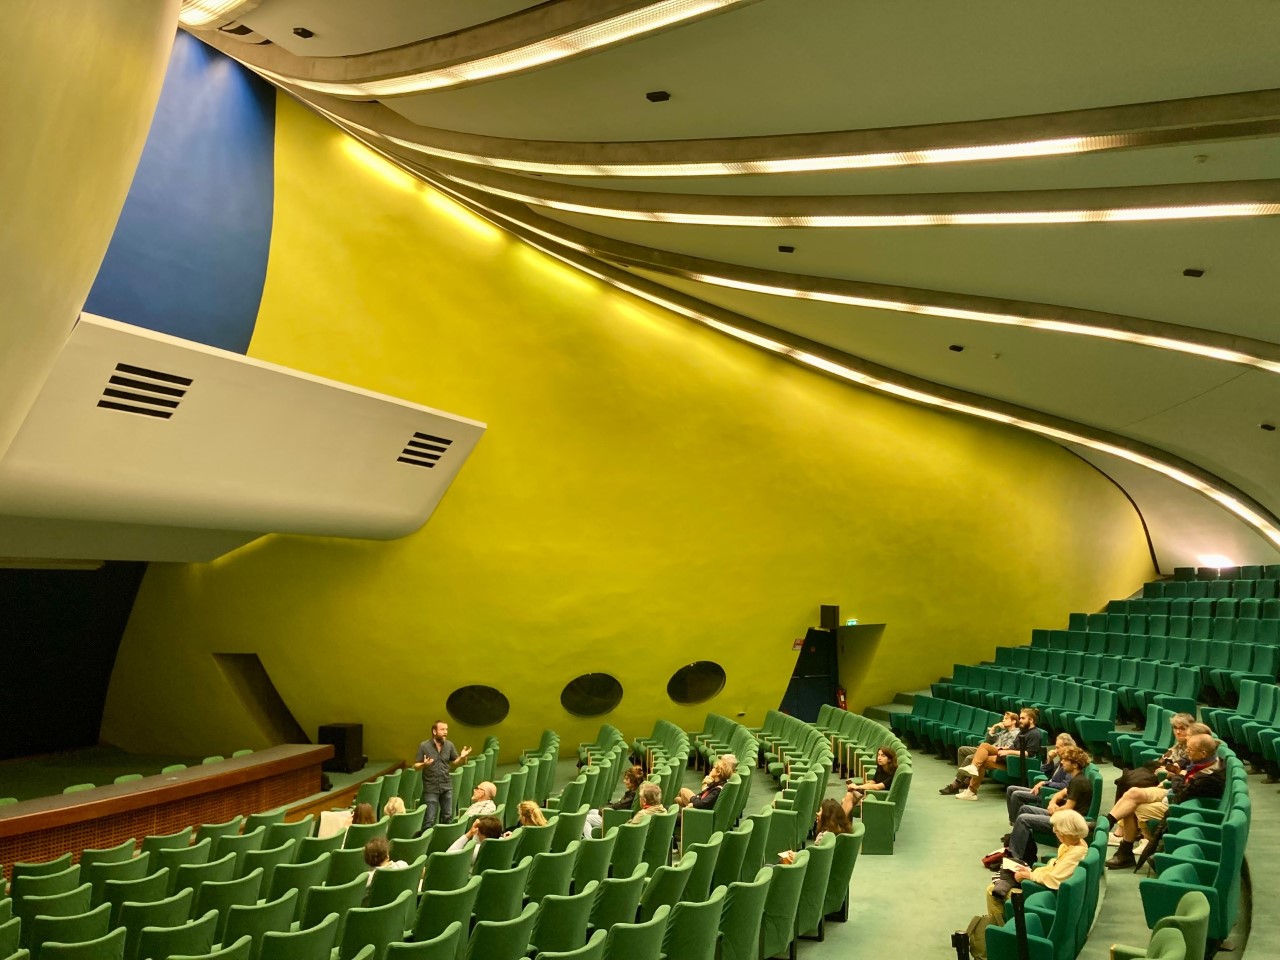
{"points": [[1004, 319], [1262, 524], [210, 13], [1193, 211], [1168, 123], [626, 26]]}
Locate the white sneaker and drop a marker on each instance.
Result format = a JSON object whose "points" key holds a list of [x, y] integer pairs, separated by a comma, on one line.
{"points": [[970, 770], [1139, 847], [966, 794], [1113, 840]]}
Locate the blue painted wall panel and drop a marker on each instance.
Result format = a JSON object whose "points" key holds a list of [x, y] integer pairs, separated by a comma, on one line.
{"points": [[189, 255]]}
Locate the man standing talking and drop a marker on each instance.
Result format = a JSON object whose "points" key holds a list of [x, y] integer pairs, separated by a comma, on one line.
{"points": [[436, 757]]}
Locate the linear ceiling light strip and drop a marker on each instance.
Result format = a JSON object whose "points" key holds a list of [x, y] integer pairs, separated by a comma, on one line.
{"points": [[1237, 505], [821, 163], [1121, 214], [572, 43], [982, 316], [1118, 334], [208, 13]]}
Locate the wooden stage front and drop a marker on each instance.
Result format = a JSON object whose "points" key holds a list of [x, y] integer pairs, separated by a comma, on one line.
{"points": [[45, 828]]}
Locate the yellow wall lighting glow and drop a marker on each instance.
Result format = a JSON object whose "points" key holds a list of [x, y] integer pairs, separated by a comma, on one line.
{"points": [[1250, 516], [1006, 319], [377, 164], [197, 13], [625, 26]]}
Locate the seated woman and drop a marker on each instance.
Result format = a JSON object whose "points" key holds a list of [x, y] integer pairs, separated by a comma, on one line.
{"points": [[482, 829], [831, 818], [1150, 774], [1203, 776], [999, 735], [528, 814], [631, 781], [394, 807], [337, 821], [882, 779], [482, 800], [377, 854], [1071, 829], [712, 784], [1055, 779], [990, 757]]}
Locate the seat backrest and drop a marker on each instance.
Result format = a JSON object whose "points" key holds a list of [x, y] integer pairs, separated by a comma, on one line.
{"points": [[313, 943], [693, 929], [501, 894], [618, 898], [1192, 921], [847, 847], [780, 906], [742, 916], [666, 885], [439, 908], [638, 941]]}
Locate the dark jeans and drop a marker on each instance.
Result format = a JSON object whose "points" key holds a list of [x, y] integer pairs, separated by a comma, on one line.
{"points": [[1021, 844], [1015, 797], [439, 801]]}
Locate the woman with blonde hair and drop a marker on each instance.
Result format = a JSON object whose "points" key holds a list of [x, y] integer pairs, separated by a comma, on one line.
{"points": [[394, 807], [724, 768], [529, 814]]}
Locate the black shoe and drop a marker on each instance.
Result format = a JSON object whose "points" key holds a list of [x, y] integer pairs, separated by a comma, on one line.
{"points": [[1004, 841], [950, 789], [1124, 857]]}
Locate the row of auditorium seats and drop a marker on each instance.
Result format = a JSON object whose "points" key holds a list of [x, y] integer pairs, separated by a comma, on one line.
{"points": [[1136, 667], [540, 890], [1160, 625], [1254, 571], [1214, 589], [1252, 728], [1248, 609], [132, 777], [1085, 710], [855, 740], [1203, 850]]}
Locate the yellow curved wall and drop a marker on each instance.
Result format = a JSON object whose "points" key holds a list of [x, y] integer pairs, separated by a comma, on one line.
{"points": [[649, 493]]}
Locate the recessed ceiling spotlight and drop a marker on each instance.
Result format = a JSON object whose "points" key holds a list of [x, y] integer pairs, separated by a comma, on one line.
{"points": [[657, 96], [303, 33], [786, 248], [1193, 272], [956, 348], [1269, 427]]}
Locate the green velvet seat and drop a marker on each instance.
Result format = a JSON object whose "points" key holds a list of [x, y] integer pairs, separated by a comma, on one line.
{"points": [[502, 939], [638, 941], [501, 894], [561, 924], [375, 926], [439, 908], [742, 916], [693, 930]]}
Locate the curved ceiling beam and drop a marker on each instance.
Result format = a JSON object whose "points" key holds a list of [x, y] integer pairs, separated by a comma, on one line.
{"points": [[547, 33], [1197, 341], [1177, 201], [1162, 123], [852, 369]]}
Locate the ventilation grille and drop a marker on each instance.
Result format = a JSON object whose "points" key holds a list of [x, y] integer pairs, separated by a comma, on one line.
{"points": [[424, 450], [147, 392]]}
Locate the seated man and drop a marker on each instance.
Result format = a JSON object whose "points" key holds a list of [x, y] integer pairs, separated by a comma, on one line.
{"points": [[1077, 795], [650, 802], [1055, 779], [1204, 776], [1000, 735], [482, 829], [482, 800], [989, 757]]}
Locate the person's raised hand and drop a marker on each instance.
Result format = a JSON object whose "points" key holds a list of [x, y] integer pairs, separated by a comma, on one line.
{"points": [[466, 752]]}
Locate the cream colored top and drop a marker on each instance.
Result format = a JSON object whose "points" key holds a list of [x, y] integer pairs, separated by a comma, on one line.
{"points": [[1060, 867]]}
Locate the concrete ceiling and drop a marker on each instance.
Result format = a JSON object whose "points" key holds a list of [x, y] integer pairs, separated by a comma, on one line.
{"points": [[840, 70]]}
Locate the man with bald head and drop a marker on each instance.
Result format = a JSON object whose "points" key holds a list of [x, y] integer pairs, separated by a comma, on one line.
{"points": [[1202, 776]]}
